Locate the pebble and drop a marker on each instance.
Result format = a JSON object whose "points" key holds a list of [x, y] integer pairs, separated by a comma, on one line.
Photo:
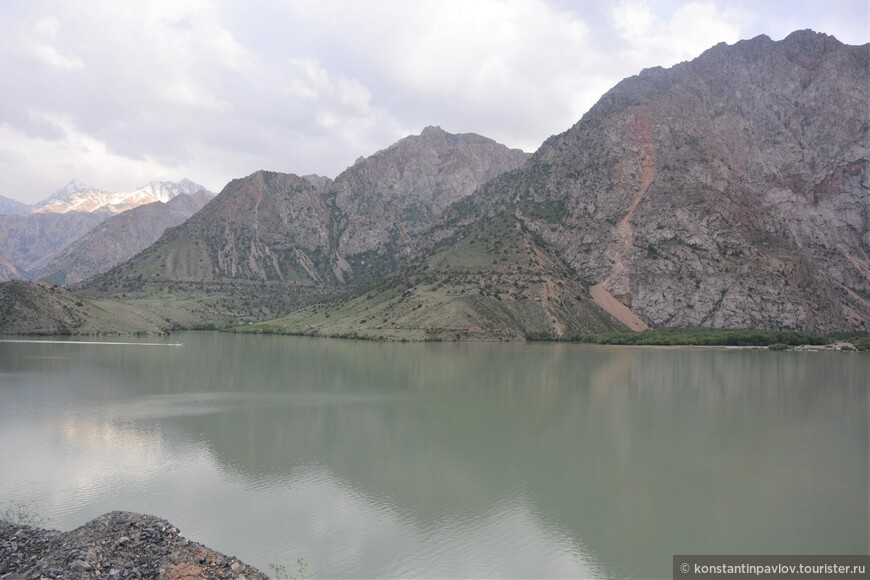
{"points": [[103, 548]]}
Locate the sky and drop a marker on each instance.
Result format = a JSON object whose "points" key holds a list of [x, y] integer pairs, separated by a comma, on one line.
{"points": [[116, 93]]}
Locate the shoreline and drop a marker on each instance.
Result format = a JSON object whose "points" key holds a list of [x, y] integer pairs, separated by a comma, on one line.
{"points": [[818, 343]]}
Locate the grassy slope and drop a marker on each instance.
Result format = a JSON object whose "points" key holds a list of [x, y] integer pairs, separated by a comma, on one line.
{"points": [[33, 308], [496, 282]]}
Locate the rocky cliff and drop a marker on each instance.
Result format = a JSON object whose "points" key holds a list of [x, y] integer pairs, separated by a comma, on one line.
{"points": [[385, 201], [729, 191]]}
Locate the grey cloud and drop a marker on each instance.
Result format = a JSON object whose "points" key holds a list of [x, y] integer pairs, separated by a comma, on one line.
{"points": [[214, 90]]}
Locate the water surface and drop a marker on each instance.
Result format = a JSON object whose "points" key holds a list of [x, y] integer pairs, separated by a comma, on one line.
{"points": [[444, 460]]}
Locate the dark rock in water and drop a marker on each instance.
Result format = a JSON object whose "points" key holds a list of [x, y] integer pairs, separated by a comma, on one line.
{"points": [[115, 545]]}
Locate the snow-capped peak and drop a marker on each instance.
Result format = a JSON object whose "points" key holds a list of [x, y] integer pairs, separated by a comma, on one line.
{"points": [[69, 189], [79, 197]]}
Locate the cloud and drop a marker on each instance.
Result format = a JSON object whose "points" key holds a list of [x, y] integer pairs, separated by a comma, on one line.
{"points": [[114, 93], [39, 43]]}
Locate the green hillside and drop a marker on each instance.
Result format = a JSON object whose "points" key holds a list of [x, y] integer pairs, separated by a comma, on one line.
{"points": [[495, 281]]}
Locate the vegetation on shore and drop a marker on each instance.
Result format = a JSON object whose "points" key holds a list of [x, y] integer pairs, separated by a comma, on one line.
{"points": [[704, 337]]}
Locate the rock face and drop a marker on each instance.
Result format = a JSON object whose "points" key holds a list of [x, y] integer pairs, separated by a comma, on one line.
{"points": [[385, 201], [730, 191], [119, 238], [113, 546]]}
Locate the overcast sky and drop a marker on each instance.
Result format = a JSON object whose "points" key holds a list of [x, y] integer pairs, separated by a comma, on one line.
{"points": [[116, 93]]}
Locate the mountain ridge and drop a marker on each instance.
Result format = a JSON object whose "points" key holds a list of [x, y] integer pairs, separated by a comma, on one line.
{"points": [[80, 197], [281, 228], [729, 191]]}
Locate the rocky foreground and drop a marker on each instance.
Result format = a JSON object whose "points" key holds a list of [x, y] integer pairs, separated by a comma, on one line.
{"points": [[114, 546]]}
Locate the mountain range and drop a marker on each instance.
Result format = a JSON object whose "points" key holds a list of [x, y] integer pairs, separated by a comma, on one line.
{"points": [[80, 197], [31, 241], [730, 191], [280, 228]]}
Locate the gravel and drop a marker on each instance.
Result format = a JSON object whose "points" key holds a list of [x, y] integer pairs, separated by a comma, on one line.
{"points": [[114, 546]]}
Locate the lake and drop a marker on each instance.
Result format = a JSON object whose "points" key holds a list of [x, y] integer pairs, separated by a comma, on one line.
{"points": [[443, 460]]}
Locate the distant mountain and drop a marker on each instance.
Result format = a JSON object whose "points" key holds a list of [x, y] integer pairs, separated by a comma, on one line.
{"points": [[320, 182], [79, 197], [31, 241], [12, 207], [731, 191], [119, 238]]}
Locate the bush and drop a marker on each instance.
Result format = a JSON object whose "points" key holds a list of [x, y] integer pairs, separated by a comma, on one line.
{"points": [[703, 337], [22, 514]]}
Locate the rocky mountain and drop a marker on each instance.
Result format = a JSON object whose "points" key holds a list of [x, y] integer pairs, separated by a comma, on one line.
{"points": [[30, 241], [264, 227], [273, 227], [731, 191], [80, 197], [12, 207], [119, 238], [320, 182], [384, 202]]}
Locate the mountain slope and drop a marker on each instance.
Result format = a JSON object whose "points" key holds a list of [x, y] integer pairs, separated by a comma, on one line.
{"points": [[31, 241], [32, 308], [119, 238], [265, 227], [8, 270], [730, 191], [495, 281]]}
